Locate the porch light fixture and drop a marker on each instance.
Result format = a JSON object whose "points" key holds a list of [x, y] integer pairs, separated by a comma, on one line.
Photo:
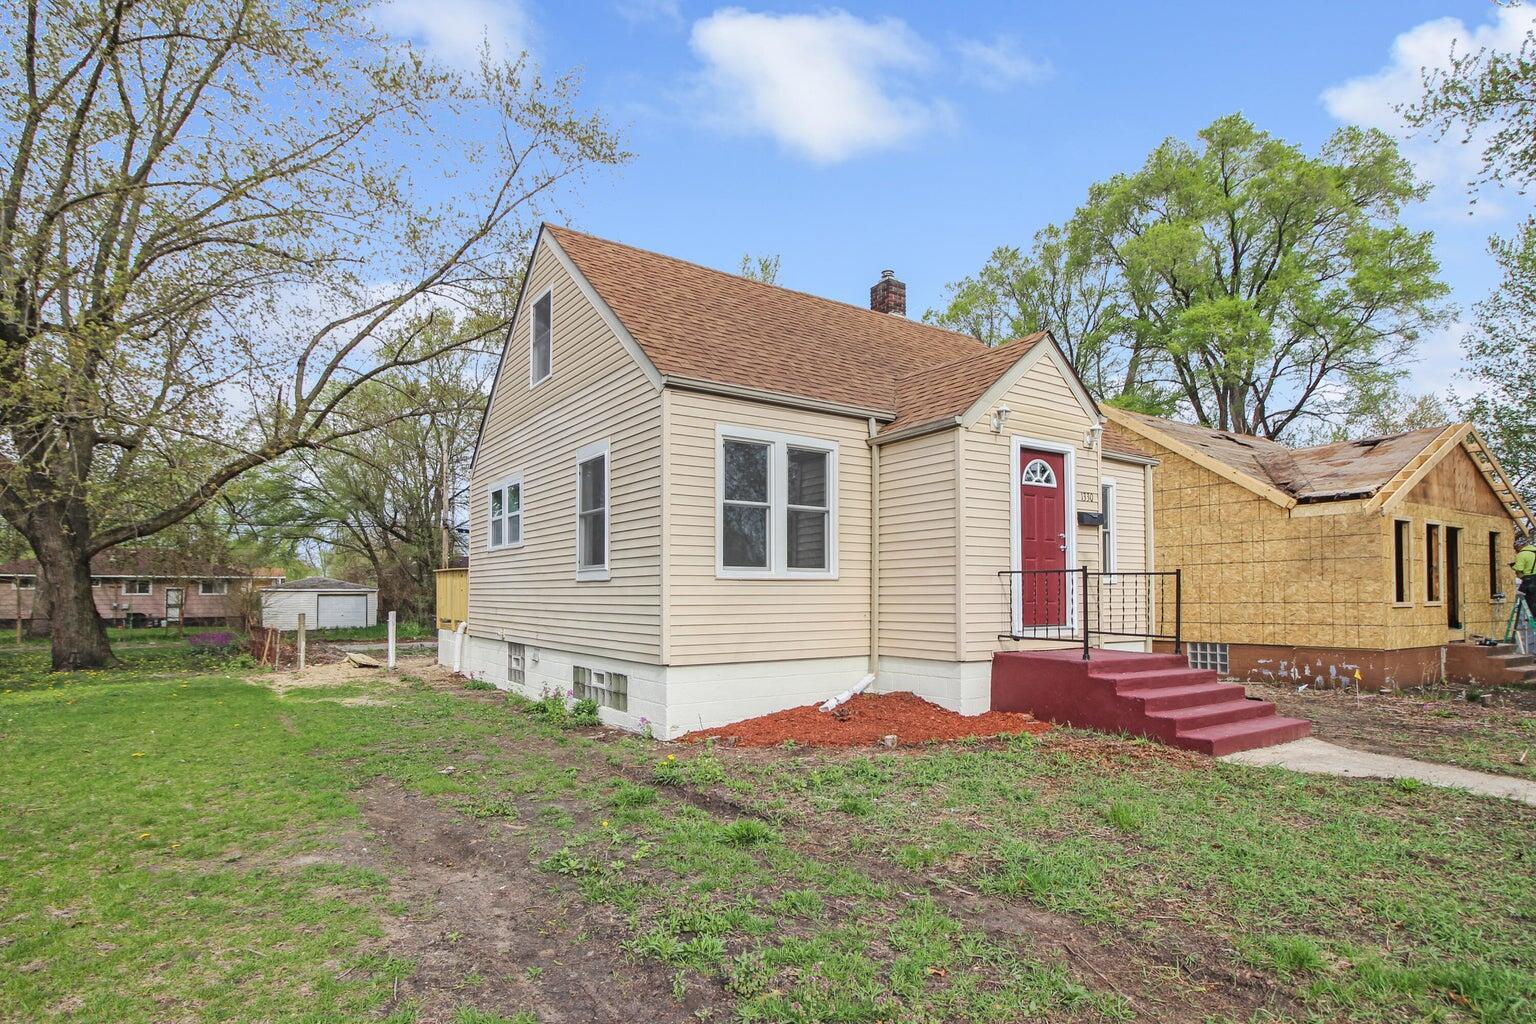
{"points": [[1095, 432], [1000, 418]]}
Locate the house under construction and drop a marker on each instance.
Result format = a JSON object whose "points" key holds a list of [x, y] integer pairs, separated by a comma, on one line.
{"points": [[1387, 557]]}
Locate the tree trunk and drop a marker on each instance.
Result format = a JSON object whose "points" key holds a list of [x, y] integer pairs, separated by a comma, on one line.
{"points": [[79, 635]]}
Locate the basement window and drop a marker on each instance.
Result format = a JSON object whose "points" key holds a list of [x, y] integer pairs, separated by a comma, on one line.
{"points": [[1431, 562], [1495, 545], [1402, 559], [608, 689], [517, 660], [1211, 656]]}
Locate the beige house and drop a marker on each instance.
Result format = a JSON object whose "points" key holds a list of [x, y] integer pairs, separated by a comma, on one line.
{"points": [[698, 498]]}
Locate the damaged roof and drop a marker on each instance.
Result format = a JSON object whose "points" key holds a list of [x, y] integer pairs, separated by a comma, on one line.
{"points": [[701, 325], [1329, 472]]}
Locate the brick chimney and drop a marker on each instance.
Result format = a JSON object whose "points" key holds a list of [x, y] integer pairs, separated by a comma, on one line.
{"points": [[888, 295]]}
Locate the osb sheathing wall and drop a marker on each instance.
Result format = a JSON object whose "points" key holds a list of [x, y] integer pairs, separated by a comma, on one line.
{"points": [[1256, 573], [1455, 495]]}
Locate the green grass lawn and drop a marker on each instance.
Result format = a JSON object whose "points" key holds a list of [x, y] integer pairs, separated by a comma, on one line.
{"points": [[171, 837]]}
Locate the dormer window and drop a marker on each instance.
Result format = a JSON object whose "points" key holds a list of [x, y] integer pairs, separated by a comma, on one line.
{"points": [[540, 339]]}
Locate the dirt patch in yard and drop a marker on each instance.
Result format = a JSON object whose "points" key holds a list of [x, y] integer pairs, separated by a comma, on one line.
{"points": [[488, 928], [865, 720], [1433, 725]]}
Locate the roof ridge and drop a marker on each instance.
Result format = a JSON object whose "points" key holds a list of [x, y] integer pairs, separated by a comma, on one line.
{"points": [[762, 284]]}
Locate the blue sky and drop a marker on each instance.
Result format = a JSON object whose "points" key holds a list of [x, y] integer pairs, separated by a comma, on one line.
{"points": [[919, 136]]}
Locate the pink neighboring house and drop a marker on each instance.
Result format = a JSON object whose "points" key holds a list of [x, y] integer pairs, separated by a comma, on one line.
{"points": [[145, 589]]}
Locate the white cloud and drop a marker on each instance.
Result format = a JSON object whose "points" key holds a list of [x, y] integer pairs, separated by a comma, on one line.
{"points": [[454, 31], [999, 63], [1373, 100], [827, 86], [650, 10]]}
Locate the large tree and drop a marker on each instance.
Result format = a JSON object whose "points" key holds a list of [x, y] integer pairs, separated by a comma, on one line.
{"points": [[1257, 287], [210, 228], [1487, 99]]}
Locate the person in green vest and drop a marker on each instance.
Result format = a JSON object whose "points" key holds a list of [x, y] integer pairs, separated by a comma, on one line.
{"points": [[1525, 572]]}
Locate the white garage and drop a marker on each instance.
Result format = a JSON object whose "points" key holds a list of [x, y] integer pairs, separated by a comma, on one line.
{"points": [[325, 604]]}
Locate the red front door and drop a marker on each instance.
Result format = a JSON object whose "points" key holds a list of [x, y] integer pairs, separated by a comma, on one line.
{"points": [[1042, 538]]}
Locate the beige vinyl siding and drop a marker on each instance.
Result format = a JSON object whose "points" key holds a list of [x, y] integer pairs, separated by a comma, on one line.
{"points": [[1043, 408], [595, 392], [917, 547], [1130, 603], [720, 621]]}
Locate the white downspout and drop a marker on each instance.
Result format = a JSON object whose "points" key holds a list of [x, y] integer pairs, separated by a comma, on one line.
{"points": [[874, 579]]}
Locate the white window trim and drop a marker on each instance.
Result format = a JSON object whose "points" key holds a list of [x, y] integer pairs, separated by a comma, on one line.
{"points": [[532, 320], [1111, 565], [1069, 526], [778, 504], [586, 453], [133, 593], [515, 480]]}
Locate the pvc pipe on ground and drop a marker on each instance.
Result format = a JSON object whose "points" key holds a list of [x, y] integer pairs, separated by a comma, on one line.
{"points": [[848, 694], [458, 646], [391, 658]]}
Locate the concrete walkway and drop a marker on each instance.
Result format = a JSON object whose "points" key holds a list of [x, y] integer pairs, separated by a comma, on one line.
{"points": [[1318, 757]]}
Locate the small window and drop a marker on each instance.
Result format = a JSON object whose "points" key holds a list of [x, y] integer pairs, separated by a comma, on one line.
{"points": [[517, 663], [1108, 553], [26, 582], [213, 588], [1211, 656], [1038, 474], [608, 689], [540, 344], [1495, 545], [1402, 559], [592, 512], [777, 496], [1431, 561], [504, 511], [97, 581], [137, 588]]}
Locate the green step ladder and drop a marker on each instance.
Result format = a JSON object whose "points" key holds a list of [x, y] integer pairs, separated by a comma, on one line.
{"points": [[1519, 622]]}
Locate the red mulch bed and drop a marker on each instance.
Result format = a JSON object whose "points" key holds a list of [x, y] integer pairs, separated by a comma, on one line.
{"points": [[865, 720]]}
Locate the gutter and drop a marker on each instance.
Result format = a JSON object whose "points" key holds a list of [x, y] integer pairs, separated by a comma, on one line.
{"points": [[918, 430]]}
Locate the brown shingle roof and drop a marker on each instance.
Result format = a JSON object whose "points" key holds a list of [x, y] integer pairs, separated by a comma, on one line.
{"points": [[948, 389], [1344, 469], [1119, 439], [701, 324]]}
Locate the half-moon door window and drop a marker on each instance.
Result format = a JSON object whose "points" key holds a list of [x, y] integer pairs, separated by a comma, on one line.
{"points": [[1038, 474]]}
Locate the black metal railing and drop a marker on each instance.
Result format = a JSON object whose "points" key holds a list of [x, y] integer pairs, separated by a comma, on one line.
{"points": [[1083, 605]]}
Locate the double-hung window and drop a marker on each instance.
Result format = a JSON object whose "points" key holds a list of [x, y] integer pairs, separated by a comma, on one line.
{"points": [[504, 501], [776, 507], [592, 512], [541, 339]]}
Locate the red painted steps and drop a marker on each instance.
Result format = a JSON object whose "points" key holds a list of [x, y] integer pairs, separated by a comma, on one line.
{"points": [[1154, 695]]}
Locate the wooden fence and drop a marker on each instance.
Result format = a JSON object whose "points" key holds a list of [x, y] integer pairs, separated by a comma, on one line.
{"points": [[452, 597]]}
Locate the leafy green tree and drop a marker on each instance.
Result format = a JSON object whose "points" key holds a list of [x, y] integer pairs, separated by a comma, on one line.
{"points": [[1255, 287], [1052, 286], [760, 268], [1487, 98], [1271, 285], [207, 241]]}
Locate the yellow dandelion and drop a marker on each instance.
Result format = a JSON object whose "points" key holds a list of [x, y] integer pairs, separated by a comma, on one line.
{"points": [[671, 757], [138, 753], [605, 823]]}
